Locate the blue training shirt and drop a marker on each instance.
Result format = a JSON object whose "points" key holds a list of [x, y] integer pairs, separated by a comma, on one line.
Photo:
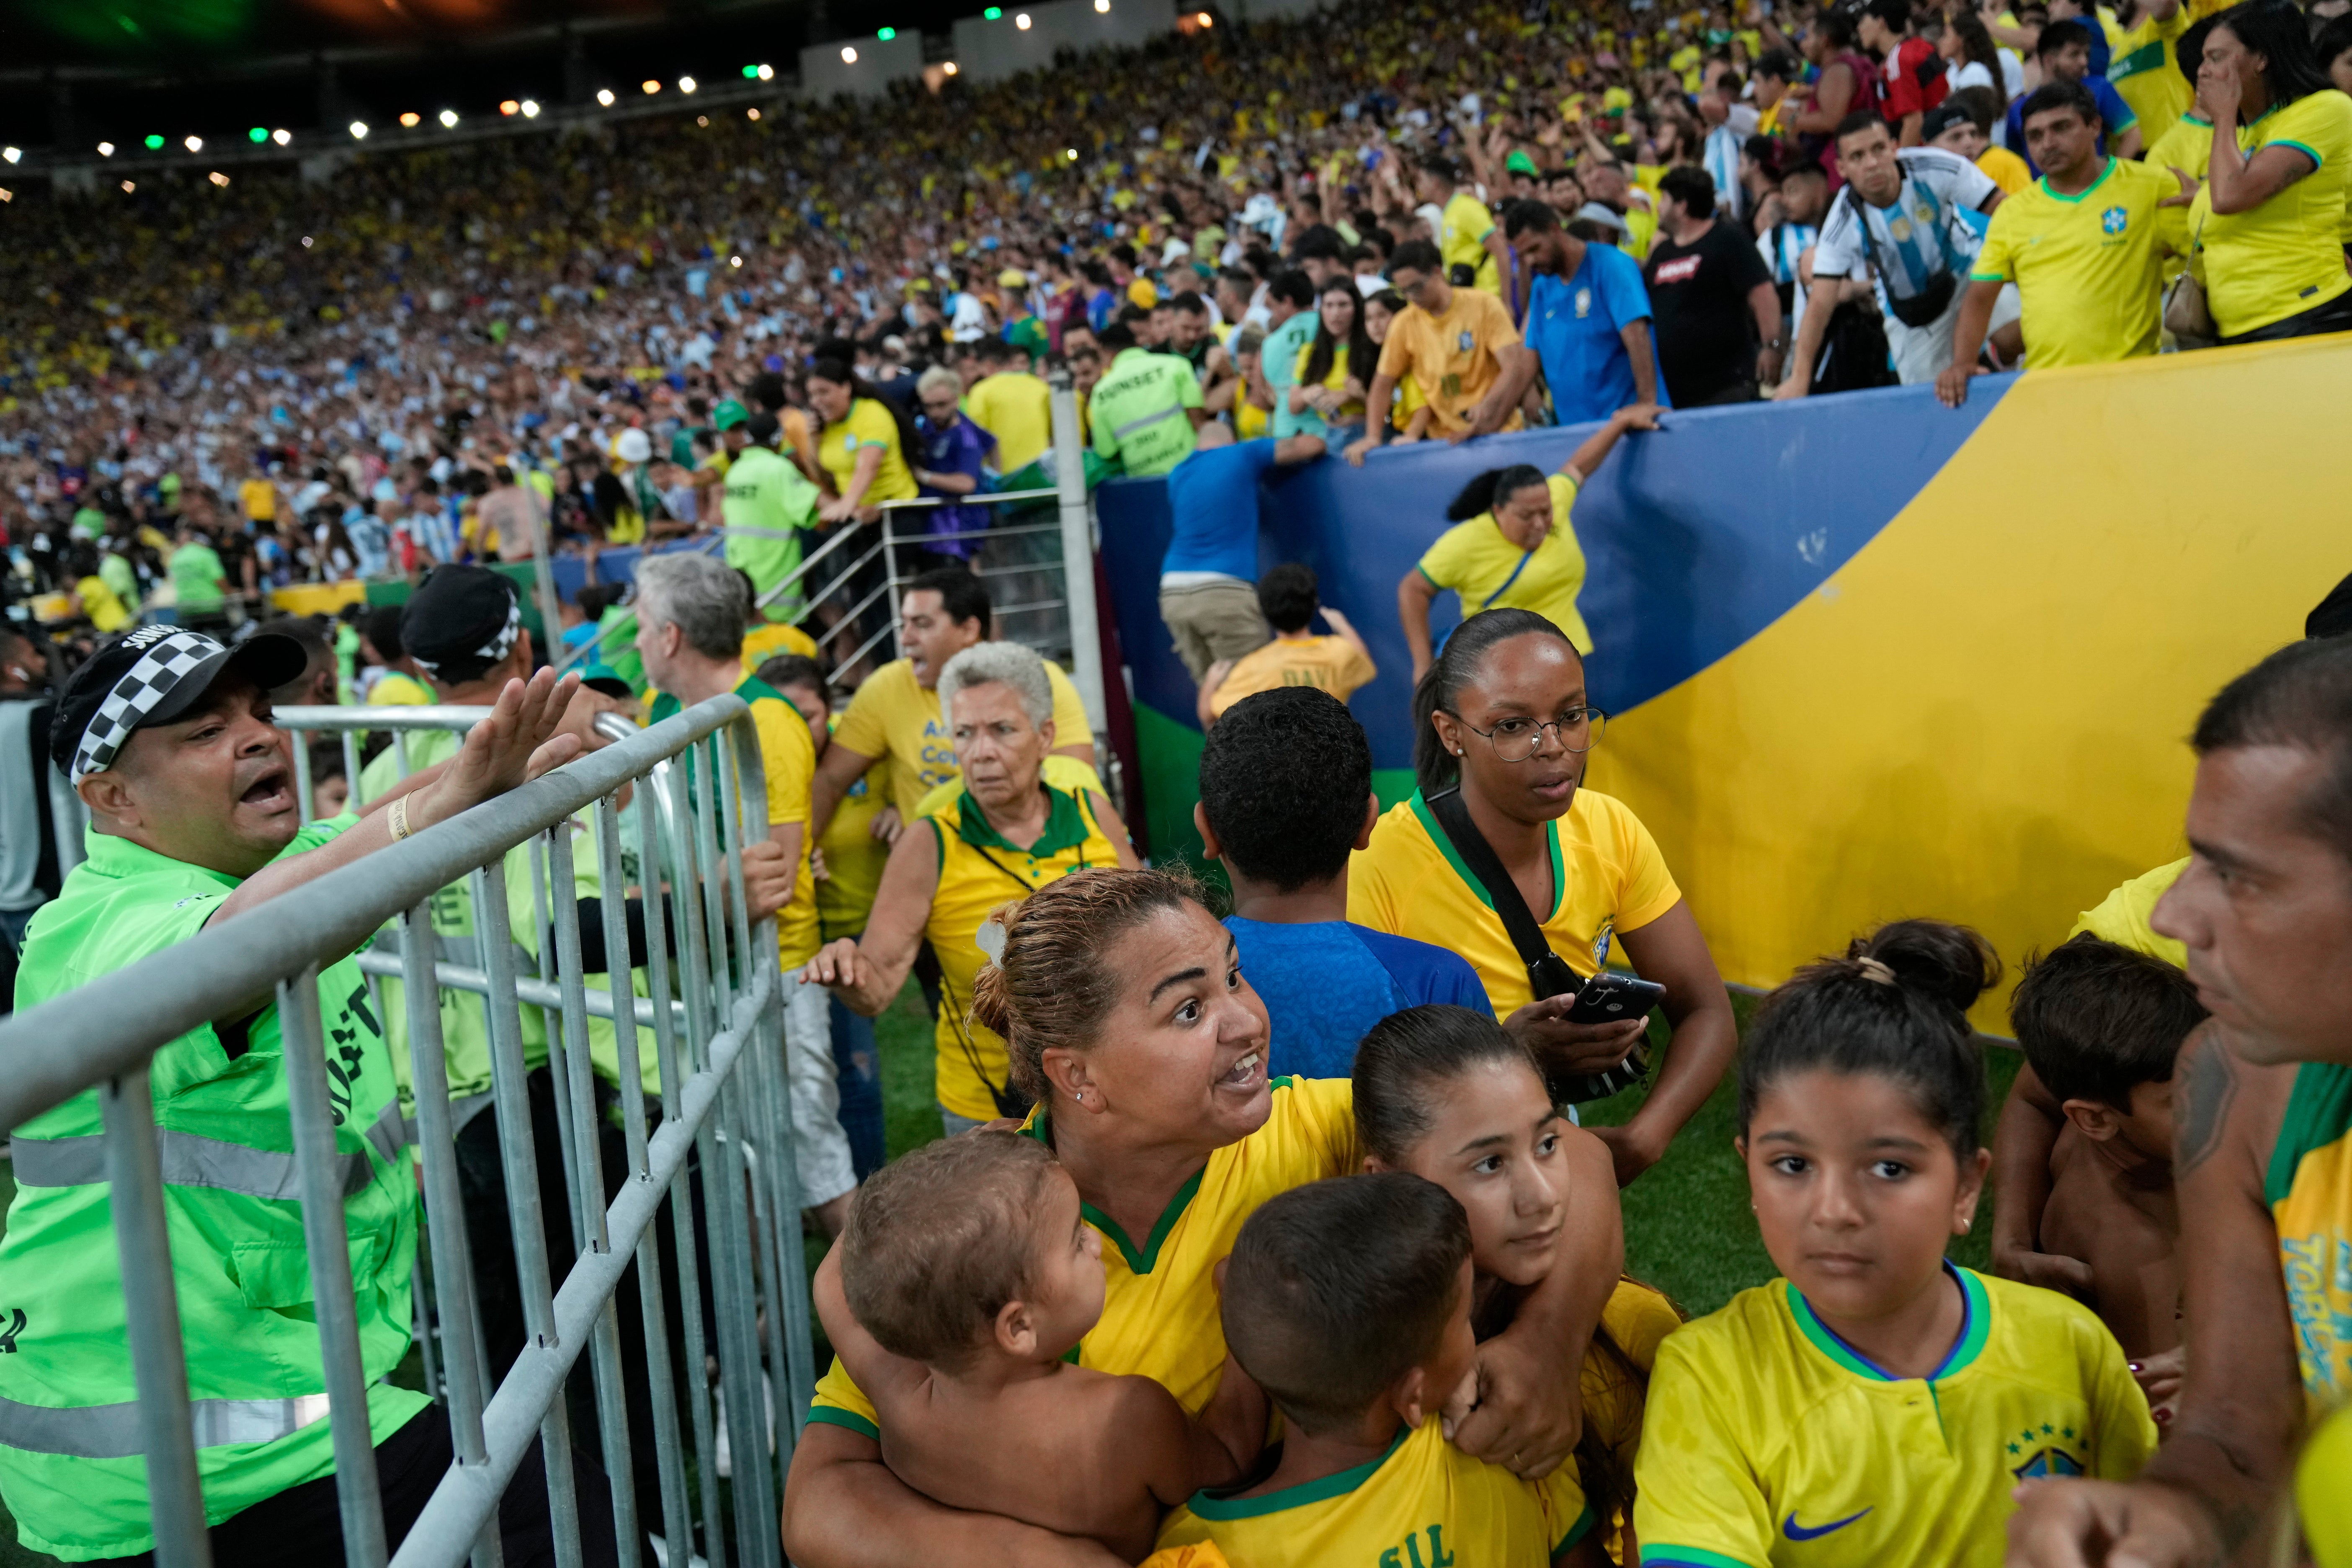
{"points": [[1575, 325], [1324, 983], [1213, 505], [2115, 117]]}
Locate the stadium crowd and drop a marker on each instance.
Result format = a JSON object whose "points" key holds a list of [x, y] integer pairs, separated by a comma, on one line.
{"points": [[1321, 1156]]}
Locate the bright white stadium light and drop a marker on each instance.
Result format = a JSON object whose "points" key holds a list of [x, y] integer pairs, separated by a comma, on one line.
{"points": [[1103, 6], [13, 153], [218, 178], [193, 145], [1206, 20], [848, 56], [359, 129], [703, 120], [1021, 21], [306, 242], [734, 261], [411, 120], [281, 137], [1071, 154], [686, 84], [530, 109], [766, 73], [448, 119], [753, 113], [650, 86], [949, 68], [604, 96], [106, 149]]}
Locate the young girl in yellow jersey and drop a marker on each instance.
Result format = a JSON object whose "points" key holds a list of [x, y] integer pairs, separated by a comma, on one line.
{"points": [[1349, 1301], [1449, 1095], [1879, 1405]]}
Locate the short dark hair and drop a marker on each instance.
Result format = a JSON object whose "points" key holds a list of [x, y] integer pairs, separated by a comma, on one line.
{"points": [[963, 596], [1401, 1063], [1692, 186], [2275, 29], [2061, 33], [1337, 1289], [2056, 95], [1528, 215], [1320, 242], [1116, 336], [1837, 25], [1980, 104], [1860, 121], [1287, 595], [1285, 776], [940, 1239], [1896, 14], [381, 626], [1839, 1016], [1189, 303], [2300, 696], [2096, 1017], [797, 669], [1778, 64], [1292, 287], [1417, 254]]}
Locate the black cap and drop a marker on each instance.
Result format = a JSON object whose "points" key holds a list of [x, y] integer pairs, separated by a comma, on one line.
{"points": [[152, 676], [461, 619], [1942, 118], [761, 428]]}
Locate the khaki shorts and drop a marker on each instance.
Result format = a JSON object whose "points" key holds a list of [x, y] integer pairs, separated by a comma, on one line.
{"points": [[1210, 621]]}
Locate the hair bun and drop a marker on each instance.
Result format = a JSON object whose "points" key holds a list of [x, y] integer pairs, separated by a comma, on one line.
{"points": [[1935, 958]]}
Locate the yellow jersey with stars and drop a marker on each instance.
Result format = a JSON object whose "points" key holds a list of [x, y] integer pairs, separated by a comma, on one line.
{"points": [[1770, 1440], [2309, 1189], [1160, 1295], [1422, 1504], [1606, 876], [894, 715], [2088, 264]]}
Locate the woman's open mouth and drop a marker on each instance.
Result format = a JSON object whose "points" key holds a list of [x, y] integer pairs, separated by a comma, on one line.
{"points": [[1245, 1074]]}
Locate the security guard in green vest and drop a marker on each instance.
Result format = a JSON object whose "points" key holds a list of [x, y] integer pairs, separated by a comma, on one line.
{"points": [[166, 736]]}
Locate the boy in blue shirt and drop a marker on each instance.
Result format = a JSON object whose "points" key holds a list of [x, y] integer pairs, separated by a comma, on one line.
{"points": [[2065, 51], [1285, 797], [1587, 319]]}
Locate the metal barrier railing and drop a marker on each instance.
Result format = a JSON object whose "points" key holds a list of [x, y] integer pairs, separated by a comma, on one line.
{"points": [[715, 1018]]}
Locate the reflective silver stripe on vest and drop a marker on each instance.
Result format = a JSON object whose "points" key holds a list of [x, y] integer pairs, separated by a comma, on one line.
{"points": [[1121, 432], [111, 1431], [191, 1160]]}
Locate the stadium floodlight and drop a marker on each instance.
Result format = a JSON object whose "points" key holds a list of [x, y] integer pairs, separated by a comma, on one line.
{"points": [[1103, 6], [734, 261], [750, 73], [991, 13], [753, 113], [949, 68], [530, 109], [1071, 154], [703, 120], [604, 96], [218, 178], [410, 120], [1021, 21], [887, 34], [510, 107], [281, 136], [766, 73], [7, 195], [13, 153], [448, 119], [129, 186], [193, 144], [686, 84], [359, 129], [650, 86], [306, 242], [106, 149], [154, 143], [260, 133], [1207, 20], [848, 56]]}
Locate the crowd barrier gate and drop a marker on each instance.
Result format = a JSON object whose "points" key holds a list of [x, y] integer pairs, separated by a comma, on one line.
{"points": [[716, 1023]]}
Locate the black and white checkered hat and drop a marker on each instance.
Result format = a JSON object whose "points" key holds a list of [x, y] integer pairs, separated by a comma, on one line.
{"points": [[152, 676]]}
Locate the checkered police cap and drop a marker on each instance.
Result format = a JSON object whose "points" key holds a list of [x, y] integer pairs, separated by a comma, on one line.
{"points": [[152, 676]]}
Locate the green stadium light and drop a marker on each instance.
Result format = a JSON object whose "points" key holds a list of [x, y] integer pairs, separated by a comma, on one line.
{"points": [[750, 73], [887, 34], [154, 143], [258, 134], [991, 13]]}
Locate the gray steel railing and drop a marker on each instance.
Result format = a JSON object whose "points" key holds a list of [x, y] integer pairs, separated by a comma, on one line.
{"points": [[715, 1021]]}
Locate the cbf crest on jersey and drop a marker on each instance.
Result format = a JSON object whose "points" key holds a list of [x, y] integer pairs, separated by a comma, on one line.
{"points": [[2048, 1449]]}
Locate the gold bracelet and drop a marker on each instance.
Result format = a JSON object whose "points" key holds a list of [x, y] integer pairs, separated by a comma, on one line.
{"points": [[397, 819]]}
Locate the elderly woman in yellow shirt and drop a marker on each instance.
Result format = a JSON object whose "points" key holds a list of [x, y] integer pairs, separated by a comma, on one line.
{"points": [[862, 448], [1512, 545]]}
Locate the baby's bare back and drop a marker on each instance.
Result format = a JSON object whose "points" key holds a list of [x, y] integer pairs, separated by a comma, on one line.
{"points": [[2126, 1236], [1060, 1452]]}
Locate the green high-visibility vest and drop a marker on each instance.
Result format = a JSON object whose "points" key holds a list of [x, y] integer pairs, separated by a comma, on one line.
{"points": [[71, 1469]]}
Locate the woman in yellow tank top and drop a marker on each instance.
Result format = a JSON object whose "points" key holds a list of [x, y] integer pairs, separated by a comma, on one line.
{"points": [[1005, 835]]}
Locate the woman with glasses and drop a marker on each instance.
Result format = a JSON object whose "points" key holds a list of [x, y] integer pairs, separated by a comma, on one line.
{"points": [[1502, 729], [1512, 546]]}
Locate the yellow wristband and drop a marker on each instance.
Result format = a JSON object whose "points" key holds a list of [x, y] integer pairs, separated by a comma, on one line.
{"points": [[397, 819]]}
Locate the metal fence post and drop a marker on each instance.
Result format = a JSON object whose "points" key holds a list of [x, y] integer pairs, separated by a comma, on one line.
{"points": [[1078, 554]]}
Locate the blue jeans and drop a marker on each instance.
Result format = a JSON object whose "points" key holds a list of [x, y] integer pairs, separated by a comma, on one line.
{"points": [[857, 1068]]}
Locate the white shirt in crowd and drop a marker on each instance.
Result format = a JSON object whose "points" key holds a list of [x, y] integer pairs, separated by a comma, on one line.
{"points": [[1921, 235]]}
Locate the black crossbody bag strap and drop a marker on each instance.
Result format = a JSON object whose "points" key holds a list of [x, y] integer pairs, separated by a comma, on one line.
{"points": [[1548, 972]]}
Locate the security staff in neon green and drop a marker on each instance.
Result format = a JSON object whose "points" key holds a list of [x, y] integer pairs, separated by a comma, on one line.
{"points": [[1146, 409], [765, 504], [194, 822]]}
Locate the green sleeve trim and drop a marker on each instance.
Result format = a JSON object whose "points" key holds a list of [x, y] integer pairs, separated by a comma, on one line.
{"points": [[847, 1420], [1423, 569], [1689, 1557], [2318, 163], [1988, 277], [940, 844], [1576, 1532]]}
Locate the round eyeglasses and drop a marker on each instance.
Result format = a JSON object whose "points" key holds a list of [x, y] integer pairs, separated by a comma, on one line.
{"points": [[1516, 740]]}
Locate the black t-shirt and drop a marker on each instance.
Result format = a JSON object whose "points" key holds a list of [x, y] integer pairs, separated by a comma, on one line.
{"points": [[1698, 297]]}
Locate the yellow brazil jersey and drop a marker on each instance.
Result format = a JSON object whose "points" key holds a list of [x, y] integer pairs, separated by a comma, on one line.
{"points": [[102, 604], [1336, 378], [2005, 169], [1016, 408], [393, 689], [1160, 1296], [854, 857], [2087, 265], [259, 499], [1607, 874], [2286, 256], [1770, 1440], [868, 424], [2143, 68], [1461, 232], [980, 872], [1250, 421], [1491, 573], [2309, 1190], [1636, 1320], [2188, 147], [1333, 664], [2320, 1500], [765, 642], [1422, 1504], [2123, 916], [788, 754], [1606, 871], [893, 715]]}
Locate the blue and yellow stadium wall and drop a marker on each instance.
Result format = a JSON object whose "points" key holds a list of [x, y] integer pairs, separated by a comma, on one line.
{"points": [[1866, 657]]}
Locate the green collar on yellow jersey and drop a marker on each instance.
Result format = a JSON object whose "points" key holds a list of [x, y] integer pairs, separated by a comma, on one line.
{"points": [[1975, 1323], [1140, 1260], [1452, 857], [1066, 826], [1207, 1505], [2104, 175]]}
